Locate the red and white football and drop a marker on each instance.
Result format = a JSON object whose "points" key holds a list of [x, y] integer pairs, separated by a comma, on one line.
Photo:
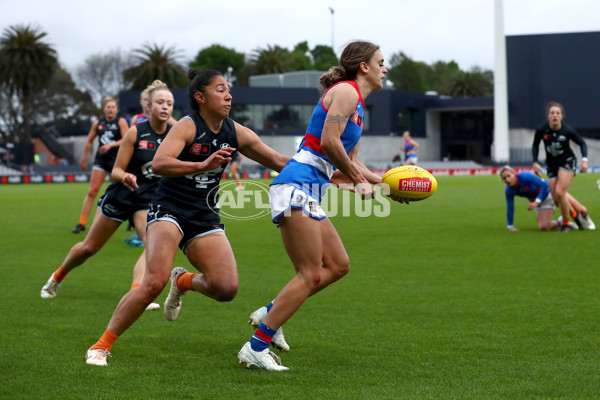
{"points": [[409, 182]]}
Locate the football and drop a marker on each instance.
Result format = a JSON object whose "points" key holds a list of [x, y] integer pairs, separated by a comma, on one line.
{"points": [[409, 182]]}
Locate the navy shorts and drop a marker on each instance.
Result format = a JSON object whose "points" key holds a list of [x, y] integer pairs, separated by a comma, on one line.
{"points": [[569, 164], [189, 229], [118, 210]]}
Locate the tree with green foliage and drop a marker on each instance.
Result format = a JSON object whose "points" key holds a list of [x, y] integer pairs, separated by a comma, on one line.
{"points": [[62, 102], [445, 78], [271, 60], [26, 64], [151, 62], [299, 59], [323, 57], [218, 58]]}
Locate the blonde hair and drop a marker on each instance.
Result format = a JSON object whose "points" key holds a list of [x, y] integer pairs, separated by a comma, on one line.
{"points": [[154, 86], [506, 168], [107, 100]]}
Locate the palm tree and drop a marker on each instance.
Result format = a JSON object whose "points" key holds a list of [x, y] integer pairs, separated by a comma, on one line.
{"points": [[272, 60], [27, 64], [155, 62]]}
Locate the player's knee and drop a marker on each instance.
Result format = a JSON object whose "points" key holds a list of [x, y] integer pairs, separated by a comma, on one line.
{"points": [[89, 249], [93, 192], [153, 286], [227, 291]]}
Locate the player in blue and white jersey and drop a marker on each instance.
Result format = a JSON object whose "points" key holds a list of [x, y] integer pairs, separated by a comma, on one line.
{"points": [[309, 237], [410, 149], [537, 191]]}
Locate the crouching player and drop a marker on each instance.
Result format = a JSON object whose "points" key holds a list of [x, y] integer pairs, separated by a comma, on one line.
{"points": [[525, 184]]}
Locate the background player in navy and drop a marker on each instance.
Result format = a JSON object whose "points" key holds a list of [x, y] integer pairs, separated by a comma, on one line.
{"points": [[184, 209], [560, 159], [109, 130], [128, 196], [310, 239], [537, 191]]}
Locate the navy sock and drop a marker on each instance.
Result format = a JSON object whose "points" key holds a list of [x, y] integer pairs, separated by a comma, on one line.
{"points": [[262, 337]]}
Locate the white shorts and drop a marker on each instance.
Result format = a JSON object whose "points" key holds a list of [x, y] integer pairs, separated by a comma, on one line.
{"points": [[284, 197], [547, 204]]}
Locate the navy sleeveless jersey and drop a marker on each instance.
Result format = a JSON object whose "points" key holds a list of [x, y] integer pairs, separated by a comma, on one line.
{"points": [[146, 143], [107, 132], [196, 196]]}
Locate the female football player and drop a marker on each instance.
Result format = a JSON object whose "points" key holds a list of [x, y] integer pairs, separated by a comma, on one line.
{"points": [[110, 130], [184, 210], [129, 195], [560, 159], [525, 184], [309, 237]]}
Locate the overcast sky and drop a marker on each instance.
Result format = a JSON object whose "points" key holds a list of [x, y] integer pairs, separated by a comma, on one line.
{"points": [[426, 30]]}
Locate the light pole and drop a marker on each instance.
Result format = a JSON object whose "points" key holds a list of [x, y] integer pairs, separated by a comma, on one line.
{"points": [[332, 14], [501, 149]]}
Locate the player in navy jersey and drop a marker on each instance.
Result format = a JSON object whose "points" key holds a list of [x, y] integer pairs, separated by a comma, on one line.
{"points": [[309, 237], [134, 240], [109, 130], [560, 159], [537, 191], [129, 196], [184, 211]]}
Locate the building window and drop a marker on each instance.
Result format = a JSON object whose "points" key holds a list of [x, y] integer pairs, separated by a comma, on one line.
{"points": [[277, 119]]}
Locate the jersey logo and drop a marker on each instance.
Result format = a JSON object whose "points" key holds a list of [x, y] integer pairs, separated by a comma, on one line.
{"points": [[357, 119], [147, 145], [200, 149], [101, 127]]}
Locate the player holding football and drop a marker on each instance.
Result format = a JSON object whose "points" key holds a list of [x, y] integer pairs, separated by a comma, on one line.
{"points": [[560, 159], [525, 184], [309, 237], [128, 197]]}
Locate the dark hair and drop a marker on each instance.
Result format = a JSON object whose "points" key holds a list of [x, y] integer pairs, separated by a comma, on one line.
{"points": [[354, 54], [555, 104], [199, 80]]}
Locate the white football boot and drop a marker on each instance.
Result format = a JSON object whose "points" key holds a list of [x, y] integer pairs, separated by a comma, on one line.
{"points": [[50, 288], [173, 301], [278, 340], [152, 306], [97, 357], [572, 224], [265, 359], [589, 224]]}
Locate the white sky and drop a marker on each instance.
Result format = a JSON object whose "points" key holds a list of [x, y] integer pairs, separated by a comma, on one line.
{"points": [[426, 30]]}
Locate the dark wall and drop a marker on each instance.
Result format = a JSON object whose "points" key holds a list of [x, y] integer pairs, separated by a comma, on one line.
{"points": [[561, 67]]}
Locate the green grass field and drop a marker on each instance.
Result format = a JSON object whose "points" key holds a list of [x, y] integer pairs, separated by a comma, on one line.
{"points": [[441, 302]]}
